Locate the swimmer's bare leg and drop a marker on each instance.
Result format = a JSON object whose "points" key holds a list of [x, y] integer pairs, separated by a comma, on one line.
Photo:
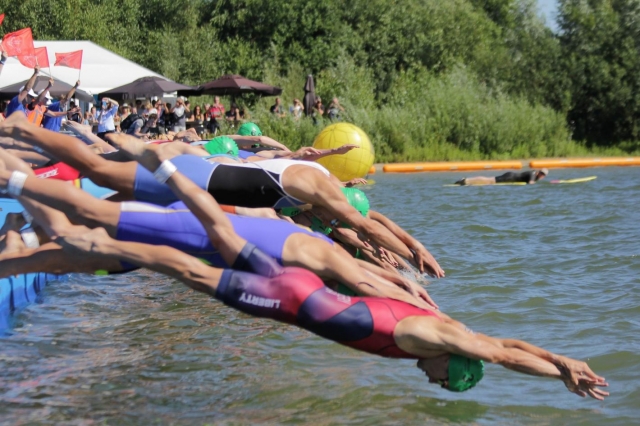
{"points": [[72, 151], [479, 180], [52, 259], [217, 225], [51, 220], [75, 203]]}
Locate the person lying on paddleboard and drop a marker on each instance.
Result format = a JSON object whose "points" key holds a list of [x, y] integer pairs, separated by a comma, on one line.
{"points": [[449, 353], [530, 177]]}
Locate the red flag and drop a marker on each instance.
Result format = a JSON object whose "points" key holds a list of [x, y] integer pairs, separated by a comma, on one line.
{"points": [[19, 43], [71, 59], [1, 18], [41, 58]]}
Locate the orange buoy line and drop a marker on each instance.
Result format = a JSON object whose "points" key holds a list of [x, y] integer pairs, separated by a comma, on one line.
{"points": [[450, 166], [585, 162]]}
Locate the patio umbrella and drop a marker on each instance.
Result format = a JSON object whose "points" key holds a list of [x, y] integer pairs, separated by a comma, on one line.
{"points": [[309, 95], [59, 88], [234, 85], [146, 87]]}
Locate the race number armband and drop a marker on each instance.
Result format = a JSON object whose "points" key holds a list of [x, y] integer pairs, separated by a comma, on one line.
{"points": [[164, 172]]}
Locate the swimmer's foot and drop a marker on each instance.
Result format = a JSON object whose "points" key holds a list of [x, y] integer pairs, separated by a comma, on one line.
{"points": [[14, 126], [12, 243], [82, 240], [13, 163], [13, 222]]}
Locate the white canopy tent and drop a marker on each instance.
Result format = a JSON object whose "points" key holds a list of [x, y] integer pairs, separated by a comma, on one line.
{"points": [[101, 68]]}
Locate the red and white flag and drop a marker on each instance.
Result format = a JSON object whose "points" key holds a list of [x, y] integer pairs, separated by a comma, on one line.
{"points": [[41, 58], [19, 43], [70, 59]]}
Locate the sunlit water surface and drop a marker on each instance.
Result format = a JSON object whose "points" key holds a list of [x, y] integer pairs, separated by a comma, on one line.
{"points": [[556, 265]]}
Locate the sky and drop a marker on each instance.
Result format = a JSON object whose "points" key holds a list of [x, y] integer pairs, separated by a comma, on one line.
{"points": [[549, 8]]}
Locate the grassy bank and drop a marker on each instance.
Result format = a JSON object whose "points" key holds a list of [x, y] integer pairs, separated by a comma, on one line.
{"points": [[427, 117]]}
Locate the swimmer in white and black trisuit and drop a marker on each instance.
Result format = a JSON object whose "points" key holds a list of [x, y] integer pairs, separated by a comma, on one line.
{"points": [[449, 353], [273, 183], [51, 203], [530, 177]]}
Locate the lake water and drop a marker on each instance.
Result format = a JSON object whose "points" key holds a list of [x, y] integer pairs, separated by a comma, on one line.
{"points": [[556, 265]]}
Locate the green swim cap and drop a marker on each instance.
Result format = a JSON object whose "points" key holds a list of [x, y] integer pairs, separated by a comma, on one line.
{"points": [[357, 199], [249, 129], [222, 145], [464, 372], [290, 211], [318, 226]]}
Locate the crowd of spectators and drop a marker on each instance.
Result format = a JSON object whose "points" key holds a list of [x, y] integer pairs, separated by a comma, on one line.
{"points": [[318, 111], [146, 118]]}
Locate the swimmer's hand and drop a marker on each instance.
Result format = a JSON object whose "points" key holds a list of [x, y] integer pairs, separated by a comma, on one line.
{"points": [[82, 240], [586, 387], [387, 257], [419, 292], [574, 371], [306, 153], [425, 262], [344, 149], [355, 181]]}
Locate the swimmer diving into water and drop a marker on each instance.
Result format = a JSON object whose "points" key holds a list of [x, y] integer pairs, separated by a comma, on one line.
{"points": [[447, 351]]}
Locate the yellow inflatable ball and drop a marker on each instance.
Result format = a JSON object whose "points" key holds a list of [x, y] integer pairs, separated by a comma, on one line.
{"points": [[353, 164]]}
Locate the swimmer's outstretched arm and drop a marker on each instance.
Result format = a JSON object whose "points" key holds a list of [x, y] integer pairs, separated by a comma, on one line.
{"points": [[421, 253], [424, 335], [247, 141]]}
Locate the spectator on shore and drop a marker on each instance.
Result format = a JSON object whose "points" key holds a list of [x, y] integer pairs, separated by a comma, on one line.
{"points": [[334, 109], [187, 110], [87, 118], [56, 110], [74, 114], [138, 109], [198, 119], [154, 102], [277, 109], [216, 113], [318, 110], [161, 123], [139, 127], [179, 115], [125, 110], [37, 107], [24, 97], [94, 114], [3, 60], [297, 109], [234, 115], [108, 110], [168, 117]]}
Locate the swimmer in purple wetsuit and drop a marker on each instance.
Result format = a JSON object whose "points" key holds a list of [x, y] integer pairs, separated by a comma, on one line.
{"points": [[448, 352], [300, 182]]}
